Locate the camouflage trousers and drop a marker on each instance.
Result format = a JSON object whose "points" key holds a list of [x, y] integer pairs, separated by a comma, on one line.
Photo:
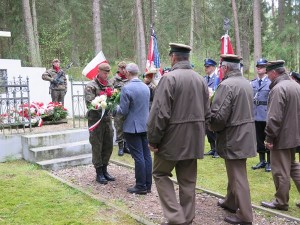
{"points": [[58, 96], [118, 123], [101, 140]]}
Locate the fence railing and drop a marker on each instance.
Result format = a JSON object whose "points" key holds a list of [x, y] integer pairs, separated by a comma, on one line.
{"points": [[78, 103], [13, 96]]}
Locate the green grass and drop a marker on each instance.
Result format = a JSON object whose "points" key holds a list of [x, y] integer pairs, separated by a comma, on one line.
{"points": [[30, 196], [212, 176]]}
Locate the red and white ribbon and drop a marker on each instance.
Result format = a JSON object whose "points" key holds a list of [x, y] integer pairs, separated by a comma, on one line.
{"points": [[94, 126]]}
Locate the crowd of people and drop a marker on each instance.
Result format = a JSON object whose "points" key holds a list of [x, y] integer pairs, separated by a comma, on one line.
{"points": [[240, 119]]}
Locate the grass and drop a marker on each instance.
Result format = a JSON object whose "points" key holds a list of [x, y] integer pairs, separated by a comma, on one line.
{"points": [[30, 196], [212, 176]]}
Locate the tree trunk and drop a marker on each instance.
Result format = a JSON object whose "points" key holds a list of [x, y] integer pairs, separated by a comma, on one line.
{"points": [[236, 29], [257, 30], [273, 9], [141, 39], [152, 23], [36, 34], [29, 32], [192, 23], [281, 15], [245, 37], [97, 26], [74, 52]]}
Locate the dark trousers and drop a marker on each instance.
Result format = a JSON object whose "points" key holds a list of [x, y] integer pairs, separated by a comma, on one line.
{"points": [[260, 136], [211, 137], [139, 150], [58, 96]]}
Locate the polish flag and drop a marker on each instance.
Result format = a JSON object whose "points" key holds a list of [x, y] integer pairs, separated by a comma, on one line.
{"points": [[91, 70]]}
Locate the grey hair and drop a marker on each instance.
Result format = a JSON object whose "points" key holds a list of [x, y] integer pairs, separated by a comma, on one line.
{"points": [[132, 68], [232, 66], [280, 70]]}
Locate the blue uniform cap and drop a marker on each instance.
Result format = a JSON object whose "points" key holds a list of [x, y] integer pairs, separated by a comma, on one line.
{"points": [[261, 62], [209, 62]]}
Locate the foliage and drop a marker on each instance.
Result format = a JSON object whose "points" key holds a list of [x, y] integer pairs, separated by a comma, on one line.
{"points": [[30, 196]]}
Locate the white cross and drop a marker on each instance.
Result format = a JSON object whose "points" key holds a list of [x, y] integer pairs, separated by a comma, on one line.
{"points": [[5, 34]]}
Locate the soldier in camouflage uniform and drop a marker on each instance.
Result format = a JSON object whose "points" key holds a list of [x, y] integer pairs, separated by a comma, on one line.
{"points": [[118, 81], [58, 82], [101, 138]]}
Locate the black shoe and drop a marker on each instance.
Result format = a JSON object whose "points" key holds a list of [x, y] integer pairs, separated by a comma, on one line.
{"points": [[235, 220], [216, 155], [126, 150], [106, 174], [120, 152], [138, 191], [272, 205], [259, 165], [268, 167], [100, 176], [211, 152]]}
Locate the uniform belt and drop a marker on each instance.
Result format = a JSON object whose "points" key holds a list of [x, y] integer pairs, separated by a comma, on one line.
{"points": [[256, 102]]}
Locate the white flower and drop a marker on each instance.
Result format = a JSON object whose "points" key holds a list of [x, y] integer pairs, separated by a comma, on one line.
{"points": [[211, 92], [32, 110], [42, 111], [103, 104], [102, 98], [94, 102]]}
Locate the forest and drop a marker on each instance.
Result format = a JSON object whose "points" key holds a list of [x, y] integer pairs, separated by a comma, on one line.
{"points": [[76, 30]]}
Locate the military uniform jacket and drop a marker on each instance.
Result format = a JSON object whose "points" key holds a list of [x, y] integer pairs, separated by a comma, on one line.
{"points": [[91, 91], [211, 82], [60, 76], [232, 117], [283, 127], [179, 110], [260, 98], [118, 82]]}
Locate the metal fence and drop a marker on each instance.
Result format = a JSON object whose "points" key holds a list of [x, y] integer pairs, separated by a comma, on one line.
{"points": [[78, 103], [13, 96]]}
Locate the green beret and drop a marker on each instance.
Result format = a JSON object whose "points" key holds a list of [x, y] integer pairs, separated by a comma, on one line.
{"points": [[271, 65]]}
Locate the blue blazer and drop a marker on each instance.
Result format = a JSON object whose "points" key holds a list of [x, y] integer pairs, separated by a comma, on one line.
{"points": [[260, 98], [134, 106], [212, 81]]}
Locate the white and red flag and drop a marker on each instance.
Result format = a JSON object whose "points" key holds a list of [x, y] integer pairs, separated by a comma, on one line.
{"points": [[153, 58], [91, 69], [226, 48]]}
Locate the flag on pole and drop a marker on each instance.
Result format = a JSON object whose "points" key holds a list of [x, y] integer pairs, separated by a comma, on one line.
{"points": [[91, 70], [226, 48], [153, 58]]}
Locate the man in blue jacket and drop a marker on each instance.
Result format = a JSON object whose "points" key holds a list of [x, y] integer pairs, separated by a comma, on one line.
{"points": [[134, 106], [261, 91]]}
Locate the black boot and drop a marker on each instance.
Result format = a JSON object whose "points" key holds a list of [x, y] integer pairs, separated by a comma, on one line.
{"points": [[268, 165], [100, 178], [121, 148], [262, 162], [106, 174]]}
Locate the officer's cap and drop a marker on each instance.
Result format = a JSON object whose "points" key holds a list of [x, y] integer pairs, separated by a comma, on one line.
{"points": [[104, 67], [261, 62], [231, 58], [122, 64], [176, 47], [296, 76], [209, 62], [271, 65], [55, 60]]}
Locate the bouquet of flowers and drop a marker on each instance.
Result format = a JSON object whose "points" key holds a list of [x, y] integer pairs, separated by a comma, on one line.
{"points": [[54, 111], [107, 99]]}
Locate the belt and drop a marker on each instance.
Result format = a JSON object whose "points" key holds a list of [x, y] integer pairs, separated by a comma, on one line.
{"points": [[256, 102]]}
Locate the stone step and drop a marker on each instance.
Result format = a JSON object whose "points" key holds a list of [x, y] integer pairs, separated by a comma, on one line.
{"points": [[55, 138], [60, 163], [59, 151]]}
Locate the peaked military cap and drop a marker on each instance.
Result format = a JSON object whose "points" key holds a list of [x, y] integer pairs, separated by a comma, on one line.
{"points": [[271, 65], [296, 76], [261, 62], [176, 47], [231, 58], [209, 62], [104, 66]]}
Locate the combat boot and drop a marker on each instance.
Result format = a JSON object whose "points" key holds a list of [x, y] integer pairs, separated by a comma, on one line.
{"points": [[100, 178], [106, 174], [121, 148]]}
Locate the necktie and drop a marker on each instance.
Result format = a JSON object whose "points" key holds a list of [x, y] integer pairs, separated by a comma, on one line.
{"points": [[208, 79], [259, 82]]}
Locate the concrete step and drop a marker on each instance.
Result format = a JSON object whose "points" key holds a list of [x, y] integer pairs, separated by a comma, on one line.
{"points": [[59, 151], [60, 163], [55, 138]]}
